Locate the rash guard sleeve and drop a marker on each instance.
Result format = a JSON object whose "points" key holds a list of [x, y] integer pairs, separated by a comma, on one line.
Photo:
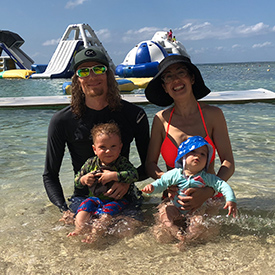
{"points": [[54, 155]]}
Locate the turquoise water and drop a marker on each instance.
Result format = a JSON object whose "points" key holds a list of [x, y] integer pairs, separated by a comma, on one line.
{"points": [[32, 240]]}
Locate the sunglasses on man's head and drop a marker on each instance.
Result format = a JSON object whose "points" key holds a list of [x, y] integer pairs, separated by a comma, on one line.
{"points": [[97, 70]]}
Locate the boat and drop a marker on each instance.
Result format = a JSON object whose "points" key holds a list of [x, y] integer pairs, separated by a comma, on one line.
{"points": [[143, 59]]}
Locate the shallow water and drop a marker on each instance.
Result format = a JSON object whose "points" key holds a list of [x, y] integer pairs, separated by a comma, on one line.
{"points": [[32, 240]]}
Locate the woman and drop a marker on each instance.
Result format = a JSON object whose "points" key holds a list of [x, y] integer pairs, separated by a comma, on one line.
{"points": [[180, 82]]}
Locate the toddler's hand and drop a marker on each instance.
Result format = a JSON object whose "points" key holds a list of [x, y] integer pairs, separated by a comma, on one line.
{"points": [[88, 179], [107, 176]]}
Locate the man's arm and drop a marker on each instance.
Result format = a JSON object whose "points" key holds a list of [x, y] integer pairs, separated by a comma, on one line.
{"points": [[142, 138], [54, 156]]}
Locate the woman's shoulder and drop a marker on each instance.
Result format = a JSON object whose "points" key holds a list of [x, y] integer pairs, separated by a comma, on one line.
{"points": [[164, 114], [210, 109]]}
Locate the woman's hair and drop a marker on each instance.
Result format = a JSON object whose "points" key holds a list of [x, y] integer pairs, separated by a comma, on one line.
{"points": [[110, 128], [78, 97]]}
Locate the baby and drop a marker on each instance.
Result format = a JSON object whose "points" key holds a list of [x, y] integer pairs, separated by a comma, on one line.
{"points": [[99, 173], [191, 164]]}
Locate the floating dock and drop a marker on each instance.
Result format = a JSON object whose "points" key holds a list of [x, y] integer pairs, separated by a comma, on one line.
{"points": [[237, 97]]}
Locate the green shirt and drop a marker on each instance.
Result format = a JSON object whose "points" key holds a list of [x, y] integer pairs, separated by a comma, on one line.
{"points": [[126, 172]]}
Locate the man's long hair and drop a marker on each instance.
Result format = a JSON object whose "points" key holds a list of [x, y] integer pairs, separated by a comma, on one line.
{"points": [[78, 97]]}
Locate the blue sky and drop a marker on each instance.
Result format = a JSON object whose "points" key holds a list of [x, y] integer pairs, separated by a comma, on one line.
{"points": [[212, 31]]}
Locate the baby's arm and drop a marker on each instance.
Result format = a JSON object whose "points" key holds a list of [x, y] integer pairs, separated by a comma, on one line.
{"points": [[85, 176], [232, 208], [149, 188], [224, 188], [167, 179]]}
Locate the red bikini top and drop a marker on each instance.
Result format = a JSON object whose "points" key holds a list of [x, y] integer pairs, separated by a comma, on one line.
{"points": [[169, 150]]}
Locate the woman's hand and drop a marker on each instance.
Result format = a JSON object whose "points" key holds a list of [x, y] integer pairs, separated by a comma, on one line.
{"points": [[195, 197], [172, 191], [118, 190]]}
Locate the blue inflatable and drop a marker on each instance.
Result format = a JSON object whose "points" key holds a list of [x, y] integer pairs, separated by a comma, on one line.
{"points": [[142, 60]]}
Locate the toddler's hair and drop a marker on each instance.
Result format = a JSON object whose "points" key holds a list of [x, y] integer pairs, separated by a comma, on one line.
{"points": [[110, 128]]}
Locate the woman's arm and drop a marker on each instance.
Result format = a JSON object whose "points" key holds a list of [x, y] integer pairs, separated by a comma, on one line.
{"points": [[222, 142], [154, 149]]}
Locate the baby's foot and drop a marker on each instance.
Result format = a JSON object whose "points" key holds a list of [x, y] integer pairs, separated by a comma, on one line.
{"points": [[89, 239], [181, 236], [162, 234], [182, 246], [72, 234]]}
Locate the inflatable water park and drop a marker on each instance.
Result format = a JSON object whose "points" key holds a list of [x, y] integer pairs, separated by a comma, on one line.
{"points": [[137, 69], [135, 72]]}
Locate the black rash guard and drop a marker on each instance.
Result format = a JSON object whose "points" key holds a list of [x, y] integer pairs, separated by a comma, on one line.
{"points": [[66, 129]]}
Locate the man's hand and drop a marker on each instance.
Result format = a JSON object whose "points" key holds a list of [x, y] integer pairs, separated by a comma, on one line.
{"points": [[118, 190], [68, 217]]}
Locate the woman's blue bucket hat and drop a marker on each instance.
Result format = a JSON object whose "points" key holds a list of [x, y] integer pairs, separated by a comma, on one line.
{"points": [[189, 145]]}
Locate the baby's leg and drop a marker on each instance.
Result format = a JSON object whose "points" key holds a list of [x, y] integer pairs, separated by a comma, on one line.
{"points": [[125, 226], [166, 230], [214, 205], [201, 229], [81, 219], [99, 228]]}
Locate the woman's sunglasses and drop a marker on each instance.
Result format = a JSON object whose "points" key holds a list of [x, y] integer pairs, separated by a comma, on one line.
{"points": [[97, 70]]}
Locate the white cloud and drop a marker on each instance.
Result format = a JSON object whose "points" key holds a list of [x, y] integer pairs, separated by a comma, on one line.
{"points": [[191, 31], [51, 42], [73, 4], [236, 46], [136, 36], [200, 51], [254, 29], [104, 35], [265, 44], [206, 30]]}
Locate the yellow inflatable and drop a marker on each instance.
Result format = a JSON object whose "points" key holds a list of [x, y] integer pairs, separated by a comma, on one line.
{"points": [[18, 73], [141, 82]]}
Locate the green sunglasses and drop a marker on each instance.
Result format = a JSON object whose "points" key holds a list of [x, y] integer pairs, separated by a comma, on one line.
{"points": [[97, 70]]}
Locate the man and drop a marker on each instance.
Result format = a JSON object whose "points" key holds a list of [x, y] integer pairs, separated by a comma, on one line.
{"points": [[95, 99]]}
